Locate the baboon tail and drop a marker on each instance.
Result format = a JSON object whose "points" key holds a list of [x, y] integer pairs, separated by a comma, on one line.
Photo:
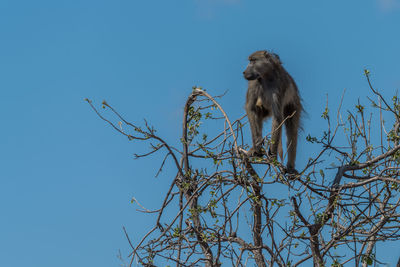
{"points": [[280, 149]]}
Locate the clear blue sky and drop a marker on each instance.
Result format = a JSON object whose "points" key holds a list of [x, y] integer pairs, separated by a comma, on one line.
{"points": [[66, 178]]}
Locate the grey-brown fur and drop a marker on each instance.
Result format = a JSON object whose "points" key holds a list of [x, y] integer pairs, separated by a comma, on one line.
{"points": [[272, 92]]}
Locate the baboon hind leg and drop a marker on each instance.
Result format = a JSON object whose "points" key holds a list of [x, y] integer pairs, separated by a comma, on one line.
{"points": [[292, 127]]}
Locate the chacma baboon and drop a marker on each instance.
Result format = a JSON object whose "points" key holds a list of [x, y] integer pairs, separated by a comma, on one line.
{"points": [[272, 92]]}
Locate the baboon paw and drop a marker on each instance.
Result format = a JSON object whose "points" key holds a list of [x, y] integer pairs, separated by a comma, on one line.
{"points": [[291, 172], [271, 154], [255, 152]]}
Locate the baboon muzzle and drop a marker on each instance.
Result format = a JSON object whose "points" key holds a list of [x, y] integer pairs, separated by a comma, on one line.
{"points": [[250, 75]]}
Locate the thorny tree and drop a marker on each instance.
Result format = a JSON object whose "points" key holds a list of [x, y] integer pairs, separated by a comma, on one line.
{"points": [[234, 210]]}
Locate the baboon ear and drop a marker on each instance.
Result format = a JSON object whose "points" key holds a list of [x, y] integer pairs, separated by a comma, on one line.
{"points": [[277, 57]]}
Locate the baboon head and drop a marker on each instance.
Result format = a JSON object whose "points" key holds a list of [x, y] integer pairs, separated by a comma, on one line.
{"points": [[262, 64]]}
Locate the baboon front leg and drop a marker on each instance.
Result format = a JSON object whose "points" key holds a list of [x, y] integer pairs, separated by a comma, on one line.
{"points": [[275, 136], [292, 126], [256, 132]]}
